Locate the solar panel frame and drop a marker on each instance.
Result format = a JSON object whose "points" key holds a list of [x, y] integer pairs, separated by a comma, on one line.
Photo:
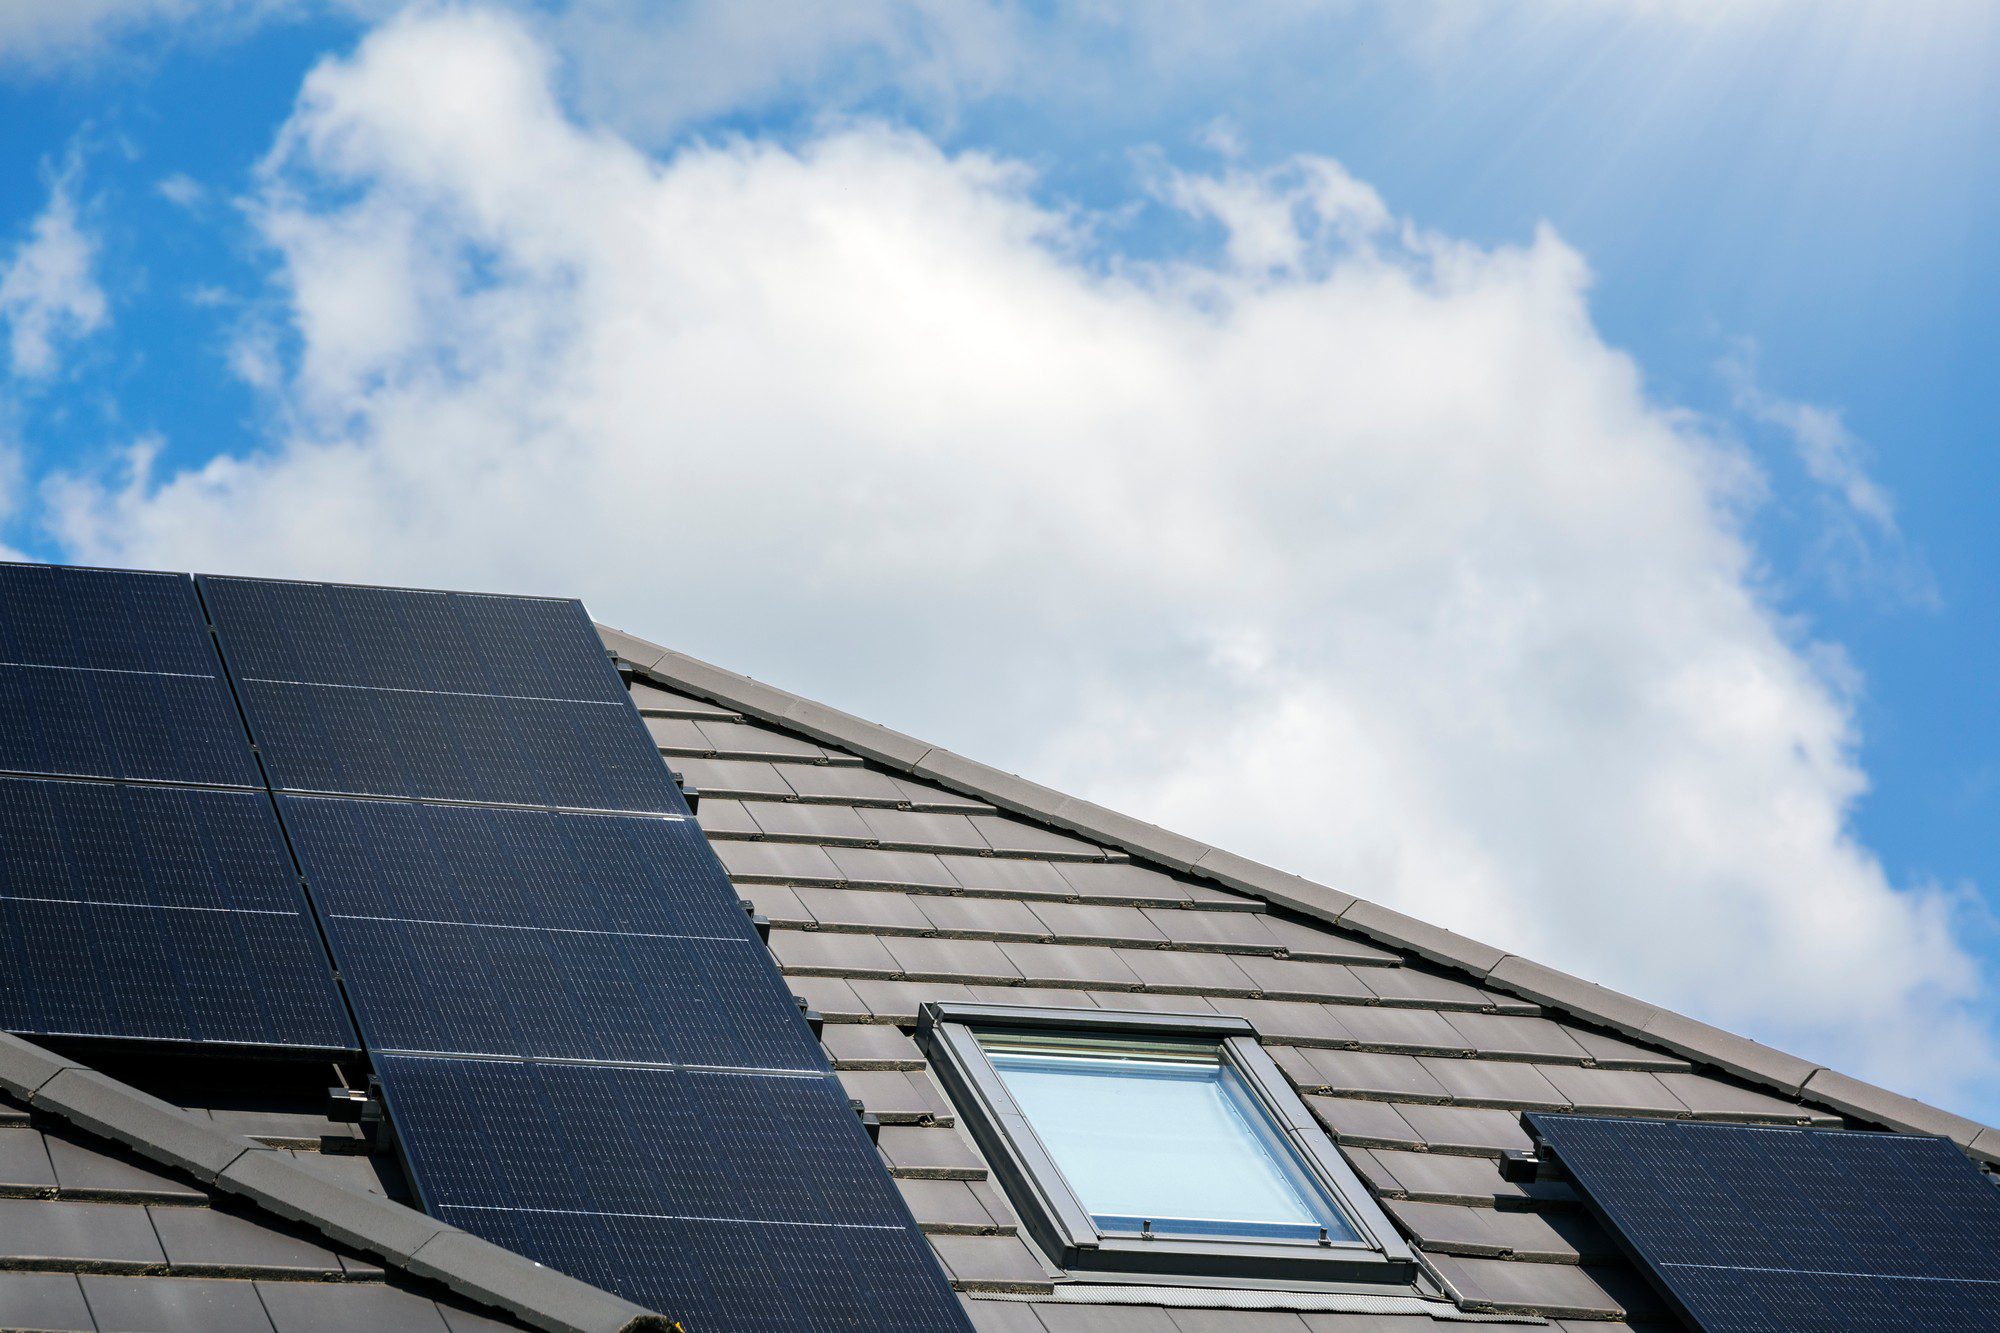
{"points": [[1754, 1227], [158, 913]]}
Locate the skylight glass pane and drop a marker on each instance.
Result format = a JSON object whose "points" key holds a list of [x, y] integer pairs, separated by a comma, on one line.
{"points": [[1166, 1135]]}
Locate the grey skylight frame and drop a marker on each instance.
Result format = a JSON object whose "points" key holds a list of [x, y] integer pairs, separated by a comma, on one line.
{"points": [[1061, 1224]]}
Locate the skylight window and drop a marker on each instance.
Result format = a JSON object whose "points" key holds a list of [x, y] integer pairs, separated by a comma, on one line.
{"points": [[1143, 1143]]}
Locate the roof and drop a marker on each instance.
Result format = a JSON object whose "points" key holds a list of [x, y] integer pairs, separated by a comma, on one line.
{"points": [[895, 873]]}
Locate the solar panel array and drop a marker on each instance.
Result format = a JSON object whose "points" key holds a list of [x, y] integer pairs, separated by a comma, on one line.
{"points": [[1748, 1229], [586, 1051], [145, 889]]}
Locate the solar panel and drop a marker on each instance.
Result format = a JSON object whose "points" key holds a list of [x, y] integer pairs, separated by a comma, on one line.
{"points": [[155, 912], [1760, 1228], [739, 1201], [110, 673], [435, 696]]}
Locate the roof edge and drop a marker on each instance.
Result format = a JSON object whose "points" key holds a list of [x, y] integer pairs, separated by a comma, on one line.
{"points": [[407, 1239], [1687, 1037]]}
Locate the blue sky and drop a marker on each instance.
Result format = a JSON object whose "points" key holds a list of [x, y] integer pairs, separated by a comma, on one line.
{"points": [[1786, 212]]}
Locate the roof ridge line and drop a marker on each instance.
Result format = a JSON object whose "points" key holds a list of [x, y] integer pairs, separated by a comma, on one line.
{"points": [[1687, 1037], [410, 1241]]}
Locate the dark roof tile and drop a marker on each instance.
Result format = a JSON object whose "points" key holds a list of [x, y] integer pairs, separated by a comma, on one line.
{"points": [[868, 865], [1500, 1083], [59, 1231], [806, 819], [981, 916], [24, 1160], [212, 1238], [43, 1301], [174, 1305], [972, 960], [320, 1307]]}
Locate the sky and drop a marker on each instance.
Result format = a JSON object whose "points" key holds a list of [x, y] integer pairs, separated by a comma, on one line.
{"points": [[1528, 464]]}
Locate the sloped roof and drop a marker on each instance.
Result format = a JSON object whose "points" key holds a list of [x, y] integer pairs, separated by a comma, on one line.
{"points": [[895, 872]]}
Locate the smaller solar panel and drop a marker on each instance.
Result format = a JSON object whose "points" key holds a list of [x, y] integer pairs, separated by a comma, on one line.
{"points": [[450, 747], [154, 912], [109, 673], [727, 1200], [435, 696], [1759, 1228], [411, 639]]}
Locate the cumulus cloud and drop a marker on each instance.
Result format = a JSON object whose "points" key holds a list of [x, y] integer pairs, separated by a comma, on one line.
{"points": [[1356, 550], [48, 287]]}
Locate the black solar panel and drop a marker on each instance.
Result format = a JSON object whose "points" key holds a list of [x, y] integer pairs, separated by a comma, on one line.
{"points": [[166, 913], [1822, 1231], [738, 1201], [108, 673], [435, 696]]}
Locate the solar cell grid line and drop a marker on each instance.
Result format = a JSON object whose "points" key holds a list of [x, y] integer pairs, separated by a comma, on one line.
{"points": [[1747, 1227], [646, 1181], [112, 674], [157, 913]]}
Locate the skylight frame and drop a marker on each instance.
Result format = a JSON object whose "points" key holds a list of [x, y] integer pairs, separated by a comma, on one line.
{"points": [[1063, 1226]]}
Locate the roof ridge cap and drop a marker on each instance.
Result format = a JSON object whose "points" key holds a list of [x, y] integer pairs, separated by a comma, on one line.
{"points": [[1687, 1037], [170, 1136]]}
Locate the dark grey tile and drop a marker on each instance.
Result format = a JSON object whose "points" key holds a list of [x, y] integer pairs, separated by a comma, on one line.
{"points": [[1624, 1090], [58, 1230], [899, 1001], [732, 776], [896, 1096], [999, 874], [832, 951], [949, 1203], [777, 902], [1373, 1074], [1004, 833], [841, 782], [937, 1152], [1709, 1096], [1187, 926], [1290, 979], [776, 860], [1070, 964], [1500, 1083], [869, 1042], [1554, 1289], [1309, 940], [1098, 923], [923, 828], [803, 819], [991, 1261], [210, 1238], [872, 865], [1415, 984], [348, 1307], [875, 908], [24, 1160], [972, 960], [1352, 1120], [1121, 881], [82, 1167], [721, 815], [981, 916], [747, 740], [1517, 1035], [43, 1301], [175, 1305], [1464, 1128], [1176, 969], [1410, 1029], [677, 733], [1236, 1321]]}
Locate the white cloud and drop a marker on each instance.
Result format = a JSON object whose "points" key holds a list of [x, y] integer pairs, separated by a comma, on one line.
{"points": [[48, 291], [1360, 553], [1858, 544], [182, 190]]}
